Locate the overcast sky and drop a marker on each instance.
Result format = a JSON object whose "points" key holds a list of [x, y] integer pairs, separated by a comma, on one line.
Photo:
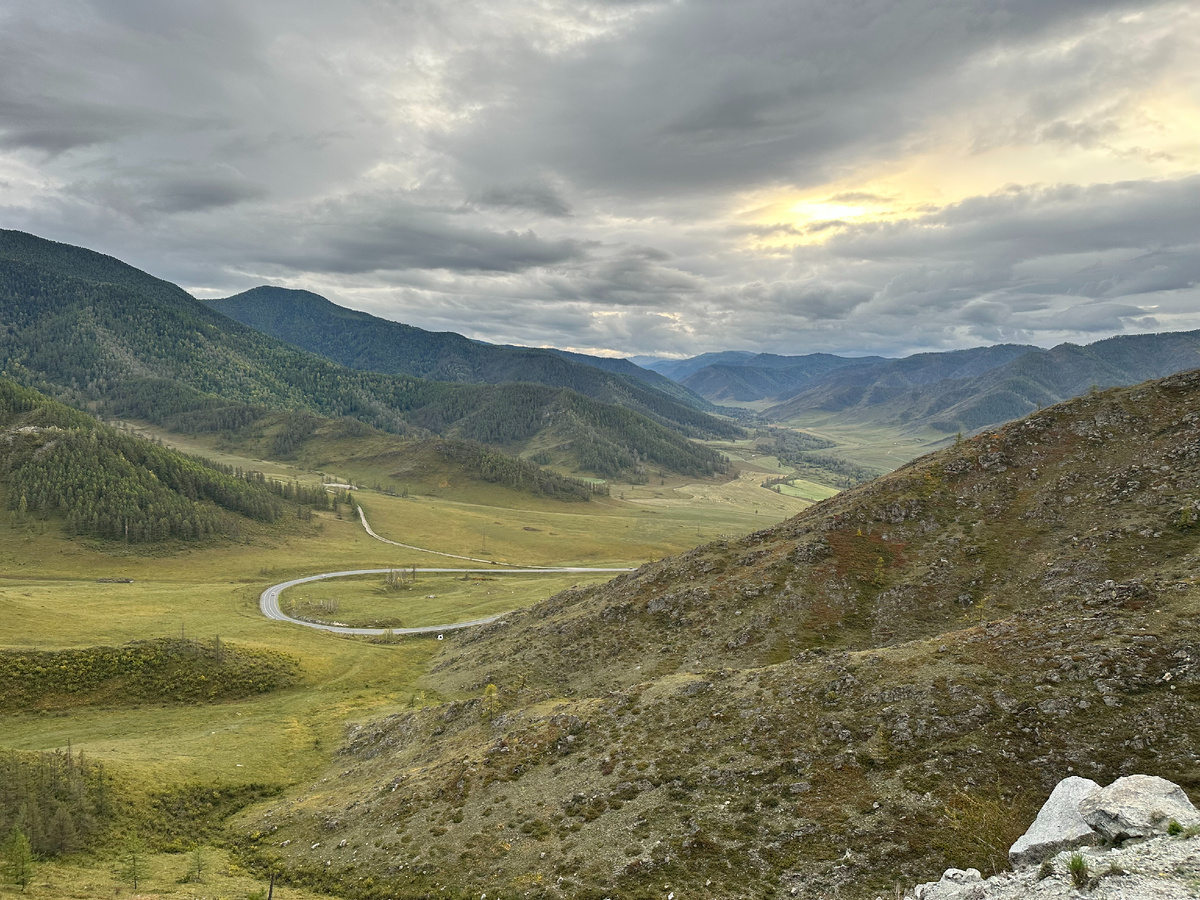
{"points": [[615, 176]]}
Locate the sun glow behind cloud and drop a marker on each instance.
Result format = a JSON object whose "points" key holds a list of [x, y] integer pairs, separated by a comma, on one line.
{"points": [[1153, 136]]}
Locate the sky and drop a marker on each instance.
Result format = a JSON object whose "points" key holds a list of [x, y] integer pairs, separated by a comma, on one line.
{"points": [[665, 178]]}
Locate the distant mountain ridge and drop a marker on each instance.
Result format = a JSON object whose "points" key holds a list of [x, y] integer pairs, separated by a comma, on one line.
{"points": [[88, 329], [966, 390], [767, 375], [361, 341], [956, 390]]}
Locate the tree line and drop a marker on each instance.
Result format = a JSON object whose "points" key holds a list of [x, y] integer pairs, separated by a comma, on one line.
{"points": [[511, 471]]}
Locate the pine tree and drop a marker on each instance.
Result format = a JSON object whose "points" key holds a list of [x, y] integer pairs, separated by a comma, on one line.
{"points": [[18, 858]]}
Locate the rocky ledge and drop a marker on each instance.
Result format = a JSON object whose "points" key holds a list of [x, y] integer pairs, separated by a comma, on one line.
{"points": [[1137, 839]]}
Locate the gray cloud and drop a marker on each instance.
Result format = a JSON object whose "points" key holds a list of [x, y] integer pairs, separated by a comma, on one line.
{"points": [[576, 173], [533, 197], [788, 90], [172, 188]]}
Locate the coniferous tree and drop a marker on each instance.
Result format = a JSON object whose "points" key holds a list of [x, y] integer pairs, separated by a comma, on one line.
{"points": [[18, 858]]}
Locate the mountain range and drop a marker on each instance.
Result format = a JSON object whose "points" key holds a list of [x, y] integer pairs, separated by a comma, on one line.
{"points": [[361, 341], [958, 390], [96, 333]]}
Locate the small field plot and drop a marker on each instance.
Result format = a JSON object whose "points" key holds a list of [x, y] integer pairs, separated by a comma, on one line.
{"points": [[743, 501], [804, 490], [876, 447], [400, 601]]}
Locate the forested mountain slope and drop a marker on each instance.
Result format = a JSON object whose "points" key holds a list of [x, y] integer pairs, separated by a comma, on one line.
{"points": [[778, 377], [362, 341], [92, 331], [934, 390], [885, 685], [57, 461]]}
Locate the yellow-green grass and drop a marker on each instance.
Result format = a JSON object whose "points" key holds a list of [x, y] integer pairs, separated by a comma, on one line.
{"points": [[367, 600], [279, 737], [806, 490], [871, 446], [166, 875], [649, 523], [50, 597], [747, 456], [211, 447]]}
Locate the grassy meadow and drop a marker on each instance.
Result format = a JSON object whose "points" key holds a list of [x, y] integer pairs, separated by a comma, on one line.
{"points": [[872, 446]]}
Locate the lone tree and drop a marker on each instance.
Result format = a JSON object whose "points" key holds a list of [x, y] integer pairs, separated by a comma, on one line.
{"points": [[491, 702], [133, 862], [18, 858]]}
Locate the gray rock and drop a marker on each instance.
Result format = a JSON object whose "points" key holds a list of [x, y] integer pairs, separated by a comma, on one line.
{"points": [[956, 884], [1137, 806], [1058, 826]]}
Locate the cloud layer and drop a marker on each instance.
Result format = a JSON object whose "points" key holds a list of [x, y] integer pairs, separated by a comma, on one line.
{"points": [[631, 176]]}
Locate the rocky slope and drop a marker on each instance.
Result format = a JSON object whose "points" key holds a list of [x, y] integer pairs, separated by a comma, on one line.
{"points": [[887, 685]]}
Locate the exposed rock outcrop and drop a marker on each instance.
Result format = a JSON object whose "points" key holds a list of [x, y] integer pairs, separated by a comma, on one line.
{"points": [[1059, 824]]}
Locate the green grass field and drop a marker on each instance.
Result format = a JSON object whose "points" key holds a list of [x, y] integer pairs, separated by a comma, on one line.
{"points": [[874, 447], [50, 597]]}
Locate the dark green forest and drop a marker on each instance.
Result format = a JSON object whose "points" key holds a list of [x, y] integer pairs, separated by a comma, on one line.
{"points": [[55, 800], [106, 483]]}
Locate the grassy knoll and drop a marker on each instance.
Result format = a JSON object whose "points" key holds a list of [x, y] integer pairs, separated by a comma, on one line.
{"points": [[166, 670], [369, 602]]}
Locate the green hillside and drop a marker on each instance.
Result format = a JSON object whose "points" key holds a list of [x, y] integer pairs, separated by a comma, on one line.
{"points": [[362, 341], [95, 333]]}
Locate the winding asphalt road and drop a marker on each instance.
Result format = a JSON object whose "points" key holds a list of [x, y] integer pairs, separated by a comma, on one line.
{"points": [[268, 601]]}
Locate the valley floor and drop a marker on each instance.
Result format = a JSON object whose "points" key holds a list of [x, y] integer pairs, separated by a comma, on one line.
{"points": [[58, 592]]}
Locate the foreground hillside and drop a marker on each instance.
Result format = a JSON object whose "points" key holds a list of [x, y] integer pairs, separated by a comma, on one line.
{"points": [[884, 686], [92, 331]]}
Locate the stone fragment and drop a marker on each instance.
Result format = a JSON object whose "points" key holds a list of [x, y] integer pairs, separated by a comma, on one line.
{"points": [[1058, 826], [956, 884], [1137, 806]]}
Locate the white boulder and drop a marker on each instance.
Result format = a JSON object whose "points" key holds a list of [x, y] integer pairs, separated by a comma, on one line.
{"points": [[1058, 826]]}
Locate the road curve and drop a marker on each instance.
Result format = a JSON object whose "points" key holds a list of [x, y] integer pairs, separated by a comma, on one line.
{"points": [[268, 601]]}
